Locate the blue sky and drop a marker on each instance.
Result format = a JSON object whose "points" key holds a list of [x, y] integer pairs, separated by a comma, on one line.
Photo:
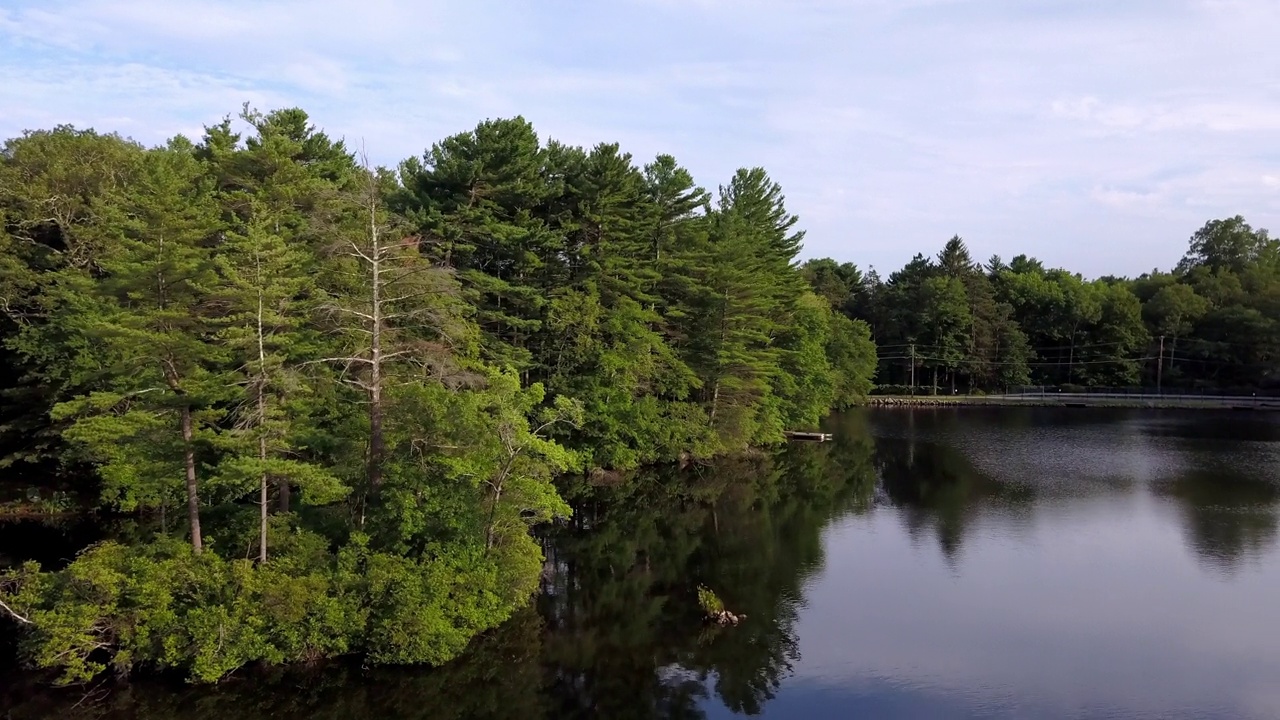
{"points": [[1095, 135]]}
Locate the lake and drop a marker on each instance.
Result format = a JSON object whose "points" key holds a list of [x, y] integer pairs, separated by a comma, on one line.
{"points": [[929, 563]]}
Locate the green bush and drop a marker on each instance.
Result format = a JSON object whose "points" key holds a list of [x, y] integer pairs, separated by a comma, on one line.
{"points": [[161, 605]]}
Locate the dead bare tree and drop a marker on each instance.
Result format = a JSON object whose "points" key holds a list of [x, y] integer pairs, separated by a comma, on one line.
{"points": [[398, 309]]}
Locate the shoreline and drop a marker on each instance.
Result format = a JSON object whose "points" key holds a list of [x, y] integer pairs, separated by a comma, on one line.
{"points": [[1079, 400]]}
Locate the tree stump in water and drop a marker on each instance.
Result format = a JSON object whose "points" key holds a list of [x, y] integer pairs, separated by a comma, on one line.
{"points": [[714, 608], [724, 617]]}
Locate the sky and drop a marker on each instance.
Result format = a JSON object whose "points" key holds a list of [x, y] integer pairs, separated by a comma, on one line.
{"points": [[1096, 136]]}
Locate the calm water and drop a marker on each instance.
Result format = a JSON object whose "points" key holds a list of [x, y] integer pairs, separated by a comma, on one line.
{"points": [[972, 563]]}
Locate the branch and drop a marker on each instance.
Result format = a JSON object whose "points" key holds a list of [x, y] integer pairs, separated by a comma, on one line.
{"points": [[339, 308], [14, 614], [358, 253], [356, 383], [347, 360], [421, 293]]}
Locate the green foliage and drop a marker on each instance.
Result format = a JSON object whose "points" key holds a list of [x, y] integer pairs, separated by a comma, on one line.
{"points": [[622, 610], [1208, 324], [852, 357], [159, 605], [356, 387], [709, 601], [807, 382]]}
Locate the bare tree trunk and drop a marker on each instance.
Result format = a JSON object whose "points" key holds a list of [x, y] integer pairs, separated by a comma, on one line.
{"points": [[724, 333], [376, 443], [376, 448], [262, 421], [263, 499], [193, 500]]}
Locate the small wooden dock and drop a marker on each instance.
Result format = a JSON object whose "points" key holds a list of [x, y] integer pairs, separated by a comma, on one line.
{"points": [[807, 436]]}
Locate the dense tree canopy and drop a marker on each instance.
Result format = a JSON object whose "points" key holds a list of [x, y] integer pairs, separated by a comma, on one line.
{"points": [[1213, 323], [340, 394]]}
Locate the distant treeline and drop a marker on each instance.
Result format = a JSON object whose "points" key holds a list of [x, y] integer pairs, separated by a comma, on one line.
{"points": [[341, 392], [1212, 323]]}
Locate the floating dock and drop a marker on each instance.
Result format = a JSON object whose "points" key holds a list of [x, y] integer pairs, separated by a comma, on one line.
{"points": [[809, 436]]}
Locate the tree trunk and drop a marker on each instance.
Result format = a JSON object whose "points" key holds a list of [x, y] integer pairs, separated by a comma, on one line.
{"points": [[193, 500], [375, 348], [376, 442], [263, 500], [262, 421], [724, 334], [262, 531]]}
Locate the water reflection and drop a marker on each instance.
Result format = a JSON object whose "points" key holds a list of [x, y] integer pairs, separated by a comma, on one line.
{"points": [[984, 563], [626, 636], [1230, 518], [617, 631], [938, 488], [1221, 471]]}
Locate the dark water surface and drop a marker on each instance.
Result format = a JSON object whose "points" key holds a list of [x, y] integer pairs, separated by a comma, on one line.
{"points": [[963, 563]]}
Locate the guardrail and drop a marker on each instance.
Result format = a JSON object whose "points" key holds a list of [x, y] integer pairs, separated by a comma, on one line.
{"points": [[1046, 394], [1090, 399]]}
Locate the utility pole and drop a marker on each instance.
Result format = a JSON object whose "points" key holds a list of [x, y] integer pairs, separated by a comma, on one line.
{"points": [[1160, 367], [913, 369]]}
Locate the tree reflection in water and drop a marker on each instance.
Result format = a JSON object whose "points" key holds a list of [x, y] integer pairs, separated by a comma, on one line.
{"points": [[1229, 518], [617, 630]]}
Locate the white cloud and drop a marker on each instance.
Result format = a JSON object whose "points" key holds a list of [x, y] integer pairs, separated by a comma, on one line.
{"points": [[1125, 199], [1217, 116], [157, 103], [891, 125]]}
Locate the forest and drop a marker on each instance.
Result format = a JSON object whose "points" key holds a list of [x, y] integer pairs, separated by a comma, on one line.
{"points": [[336, 400], [1211, 324], [337, 396]]}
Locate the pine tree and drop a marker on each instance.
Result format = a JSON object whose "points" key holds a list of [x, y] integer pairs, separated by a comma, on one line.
{"points": [[267, 291], [478, 197], [158, 381], [733, 349], [678, 201]]}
